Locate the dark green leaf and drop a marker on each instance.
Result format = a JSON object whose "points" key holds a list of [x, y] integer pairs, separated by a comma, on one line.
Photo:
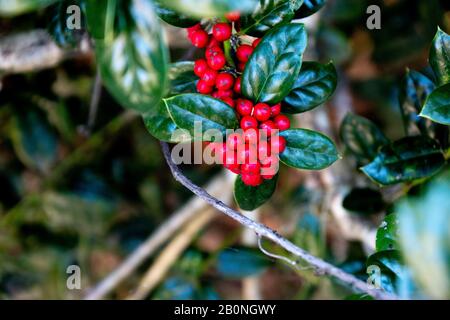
{"points": [[249, 198], [240, 263], [275, 64], [408, 159], [267, 15], [160, 124], [440, 57], [309, 7], [209, 8], [391, 269], [308, 150], [172, 17], [364, 201], [10, 8], [414, 90], [132, 57], [437, 106], [314, 85], [189, 109], [387, 233], [182, 78], [362, 137]]}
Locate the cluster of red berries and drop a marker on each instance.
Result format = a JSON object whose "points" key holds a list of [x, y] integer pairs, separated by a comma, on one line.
{"points": [[253, 152]]}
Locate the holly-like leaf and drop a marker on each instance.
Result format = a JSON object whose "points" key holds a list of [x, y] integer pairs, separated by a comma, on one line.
{"points": [[387, 233], [239, 263], [440, 57], [309, 7], [209, 8], [408, 159], [306, 149], [10, 8], [132, 56], [414, 90], [267, 15], [314, 85], [173, 17], [362, 137], [275, 64], [249, 198], [160, 124], [190, 110], [182, 78], [437, 106]]}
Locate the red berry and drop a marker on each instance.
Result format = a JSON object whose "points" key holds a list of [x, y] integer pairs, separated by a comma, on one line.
{"points": [[191, 30], [247, 153], [251, 136], [222, 31], [217, 62], [233, 16], [224, 81], [244, 52], [244, 107], [276, 110], [278, 144], [234, 140], [241, 66], [262, 112], [268, 127], [251, 168], [213, 51], [251, 180], [237, 85], [209, 77], [215, 95], [225, 94], [203, 87], [263, 151], [282, 122], [230, 161], [248, 122], [256, 42], [229, 101], [214, 43], [200, 39], [269, 167], [200, 67]]}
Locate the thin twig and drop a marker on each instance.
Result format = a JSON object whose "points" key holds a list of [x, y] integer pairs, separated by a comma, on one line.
{"points": [[321, 266], [95, 99]]}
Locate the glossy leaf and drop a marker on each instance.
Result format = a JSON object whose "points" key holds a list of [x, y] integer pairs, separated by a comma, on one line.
{"points": [[362, 137], [314, 86], [133, 57], [440, 57], [437, 106], [187, 110], [160, 124], [414, 90], [173, 17], [209, 8], [364, 201], [249, 198], [275, 64], [309, 7], [387, 233], [182, 78], [408, 159], [391, 266], [308, 150], [267, 15], [240, 263], [10, 8]]}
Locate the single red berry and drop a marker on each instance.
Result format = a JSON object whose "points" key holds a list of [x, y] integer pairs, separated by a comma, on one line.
{"points": [[229, 101], [244, 52], [282, 122], [213, 51], [200, 67], [224, 81], [191, 30], [252, 180], [262, 112], [244, 107], [276, 110], [221, 31], [268, 127], [233, 16], [225, 94], [209, 77], [203, 87], [251, 168], [234, 140], [256, 42], [214, 43], [200, 39], [217, 62], [237, 85], [251, 136], [278, 144], [248, 122]]}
